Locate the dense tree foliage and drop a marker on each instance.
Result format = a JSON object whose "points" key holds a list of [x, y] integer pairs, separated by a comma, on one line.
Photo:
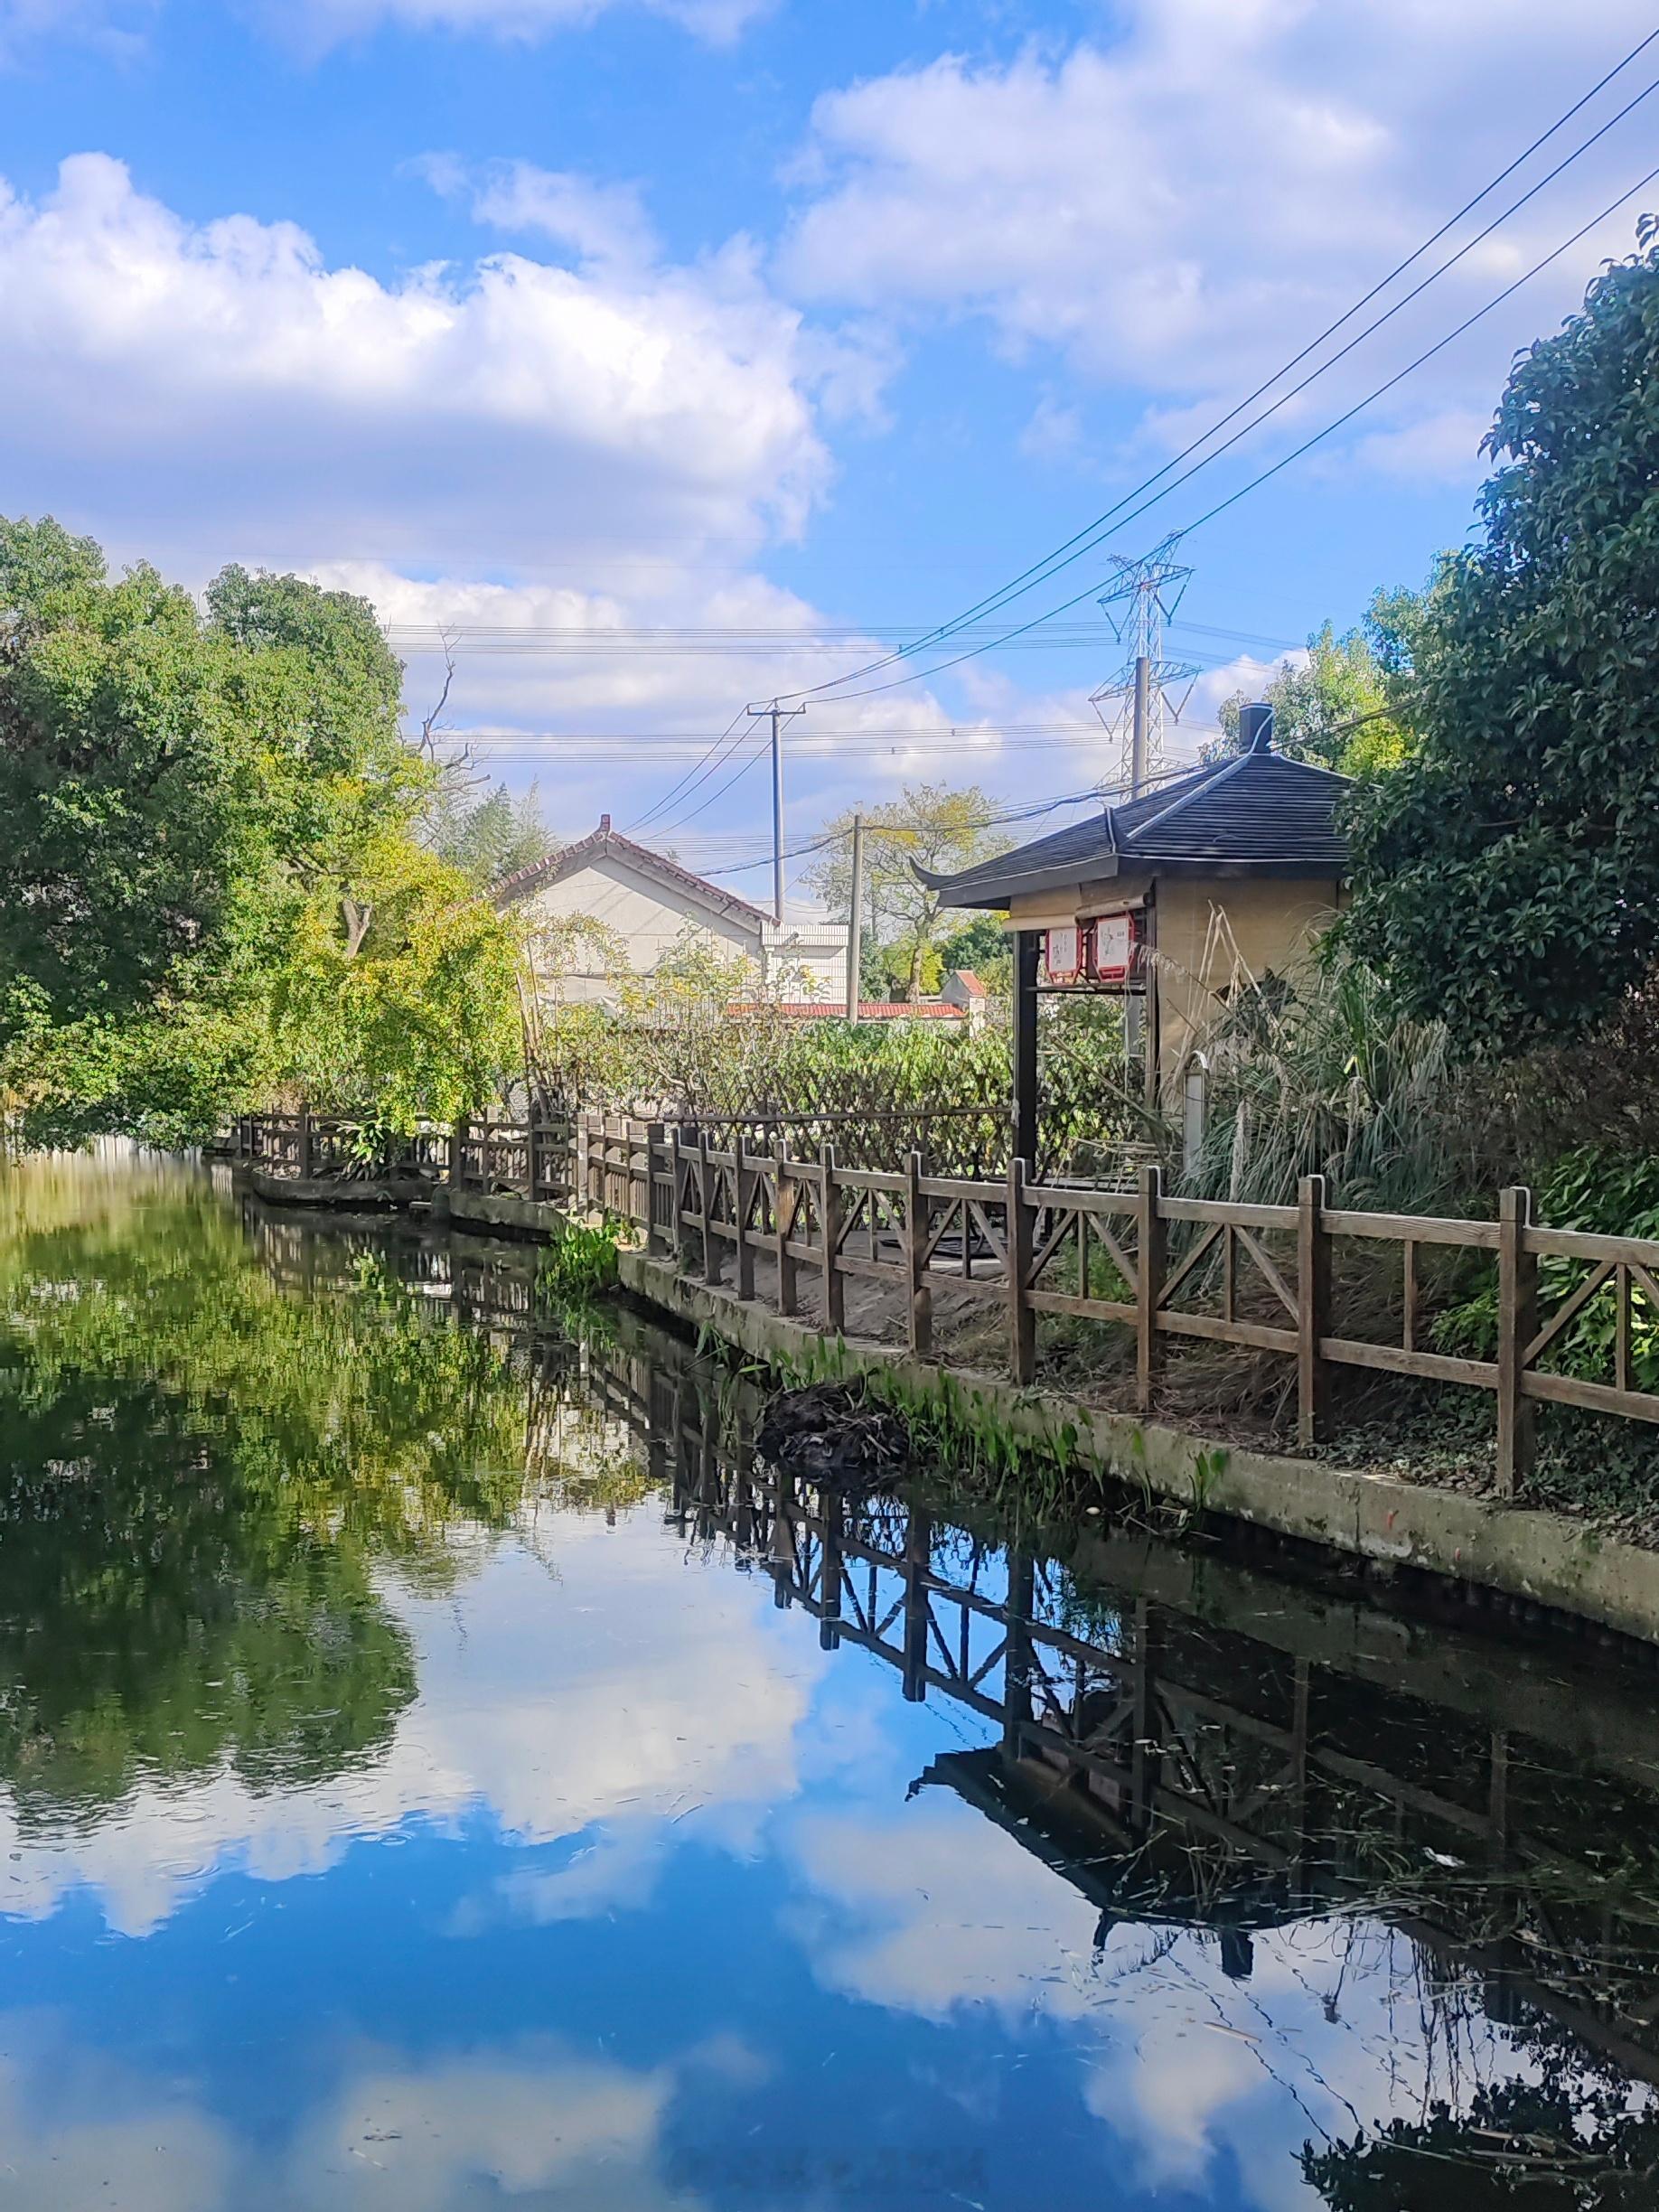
{"points": [[1507, 873], [983, 945], [198, 801], [417, 1016]]}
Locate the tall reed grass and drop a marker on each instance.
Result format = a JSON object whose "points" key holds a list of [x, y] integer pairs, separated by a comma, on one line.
{"points": [[1326, 1077]]}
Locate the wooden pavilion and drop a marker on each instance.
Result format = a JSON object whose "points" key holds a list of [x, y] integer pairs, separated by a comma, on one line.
{"points": [[1167, 900]]}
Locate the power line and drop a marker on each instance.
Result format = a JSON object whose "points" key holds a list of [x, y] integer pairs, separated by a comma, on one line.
{"points": [[1341, 421], [872, 825], [1083, 541], [875, 733], [689, 639], [956, 744], [651, 812], [703, 806]]}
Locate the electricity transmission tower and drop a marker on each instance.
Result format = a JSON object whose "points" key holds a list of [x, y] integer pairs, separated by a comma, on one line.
{"points": [[1135, 704]]}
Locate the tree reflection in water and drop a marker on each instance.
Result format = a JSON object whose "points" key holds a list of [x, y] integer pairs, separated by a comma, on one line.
{"points": [[201, 1476]]}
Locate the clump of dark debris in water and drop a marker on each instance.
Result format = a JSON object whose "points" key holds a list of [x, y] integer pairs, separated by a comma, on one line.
{"points": [[831, 1432]]}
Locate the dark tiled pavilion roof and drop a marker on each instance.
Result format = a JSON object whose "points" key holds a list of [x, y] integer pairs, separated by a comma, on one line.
{"points": [[1255, 814]]}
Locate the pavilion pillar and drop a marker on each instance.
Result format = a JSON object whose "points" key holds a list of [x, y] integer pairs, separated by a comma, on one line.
{"points": [[1028, 946]]}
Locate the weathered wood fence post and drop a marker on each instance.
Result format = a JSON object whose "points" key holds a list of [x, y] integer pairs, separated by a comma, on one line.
{"points": [[711, 1249], [1312, 1304], [458, 1153], [656, 1244], [785, 1204], [1022, 1320], [919, 1301], [742, 1195], [829, 1218], [1517, 1326], [1153, 1231], [302, 1152], [676, 1165], [584, 1140]]}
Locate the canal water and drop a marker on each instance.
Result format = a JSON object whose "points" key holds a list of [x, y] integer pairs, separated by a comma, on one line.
{"points": [[441, 1766]]}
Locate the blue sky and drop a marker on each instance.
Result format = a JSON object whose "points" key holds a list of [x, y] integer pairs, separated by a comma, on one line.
{"points": [[732, 318]]}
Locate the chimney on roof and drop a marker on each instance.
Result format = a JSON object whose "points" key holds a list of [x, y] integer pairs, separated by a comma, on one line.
{"points": [[1256, 728], [604, 819]]}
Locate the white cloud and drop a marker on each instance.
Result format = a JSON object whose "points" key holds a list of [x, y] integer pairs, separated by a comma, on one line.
{"points": [[546, 2124], [531, 2121], [116, 27], [1437, 445], [1177, 212], [601, 223], [219, 388], [936, 1910], [58, 2153], [1053, 432], [515, 444]]}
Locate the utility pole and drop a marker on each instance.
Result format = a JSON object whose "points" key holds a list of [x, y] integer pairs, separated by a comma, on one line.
{"points": [[1137, 734], [780, 715], [855, 927]]}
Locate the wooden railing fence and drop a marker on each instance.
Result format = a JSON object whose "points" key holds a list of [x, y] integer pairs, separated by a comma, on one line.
{"points": [[1259, 1278], [1161, 1266], [529, 1159]]}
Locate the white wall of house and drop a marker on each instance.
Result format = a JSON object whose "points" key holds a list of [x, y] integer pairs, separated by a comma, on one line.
{"points": [[809, 945], [652, 915]]}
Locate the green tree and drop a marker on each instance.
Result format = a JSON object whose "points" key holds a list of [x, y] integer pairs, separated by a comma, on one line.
{"points": [[1335, 707], [214, 884], [489, 838], [927, 826], [413, 1014], [1507, 874], [982, 945]]}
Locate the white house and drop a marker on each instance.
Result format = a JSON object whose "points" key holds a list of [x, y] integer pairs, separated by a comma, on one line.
{"points": [[649, 905]]}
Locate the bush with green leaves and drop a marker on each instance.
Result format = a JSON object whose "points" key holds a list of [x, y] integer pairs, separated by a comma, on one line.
{"points": [[580, 1263], [1328, 1076], [1606, 1194]]}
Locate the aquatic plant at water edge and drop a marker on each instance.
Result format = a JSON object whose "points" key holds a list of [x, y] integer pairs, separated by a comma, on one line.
{"points": [[580, 1262]]}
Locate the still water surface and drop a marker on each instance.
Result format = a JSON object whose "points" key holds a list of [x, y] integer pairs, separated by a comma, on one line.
{"points": [[439, 1769]]}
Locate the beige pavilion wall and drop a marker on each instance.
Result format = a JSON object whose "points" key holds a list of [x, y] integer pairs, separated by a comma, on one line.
{"points": [[1266, 923]]}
